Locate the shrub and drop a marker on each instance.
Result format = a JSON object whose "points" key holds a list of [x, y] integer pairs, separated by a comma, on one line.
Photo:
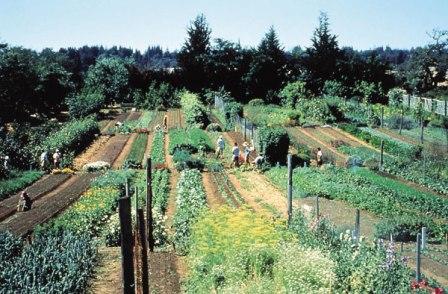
{"points": [[353, 161], [334, 89], [84, 104], [292, 93], [256, 102], [195, 112], [73, 137], [393, 122], [231, 110], [214, 127], [315, 111], [184, 160], [274, 143]]}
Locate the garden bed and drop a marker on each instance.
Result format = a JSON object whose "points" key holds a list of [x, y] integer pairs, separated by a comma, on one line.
{"points": [[35, 191]]}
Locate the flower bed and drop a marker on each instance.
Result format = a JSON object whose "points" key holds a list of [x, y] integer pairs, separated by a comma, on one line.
{"points": [[190, 201]]}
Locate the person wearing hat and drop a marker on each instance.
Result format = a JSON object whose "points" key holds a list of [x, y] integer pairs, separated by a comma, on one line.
{"points": [[25, 202], [247, 150], [57, 159], [220, 145], [319, 157]]}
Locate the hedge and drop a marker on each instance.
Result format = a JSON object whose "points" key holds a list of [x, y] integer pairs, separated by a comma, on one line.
{"points": [[274, 142]]}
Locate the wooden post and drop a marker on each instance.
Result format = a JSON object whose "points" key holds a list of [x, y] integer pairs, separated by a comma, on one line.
{"points": [[252, 132], [144, 251], [149, 204], [382, 155], [418, 262], [401, 120], [357, 224], [382, 116], [421, 129], [127, 259], [289, 188], [245, 129], [317, 206], [136, 204], [127, 187], [424, 238]]}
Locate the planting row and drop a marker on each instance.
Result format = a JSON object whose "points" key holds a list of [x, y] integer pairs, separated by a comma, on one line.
{"points": [[137, 152], [367, 190], [17, 181]]}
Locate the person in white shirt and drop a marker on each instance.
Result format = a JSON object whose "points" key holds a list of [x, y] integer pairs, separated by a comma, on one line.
{"points": [[44, 160], [319, 157], [235, 155], [220, 145], [57, 159], [258, 160]]}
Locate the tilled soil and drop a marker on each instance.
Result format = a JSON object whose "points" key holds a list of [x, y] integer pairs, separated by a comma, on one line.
{"points": [[134, 116], [119, 118], [112, 149], [237, 137], [48, 206], [90, 153], [118, 162], [43, 186], [214, 201], [163, 273], [175, 118]]}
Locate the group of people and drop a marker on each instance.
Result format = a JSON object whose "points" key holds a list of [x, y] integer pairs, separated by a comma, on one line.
{"points": [[247, 150], [45, 161]]}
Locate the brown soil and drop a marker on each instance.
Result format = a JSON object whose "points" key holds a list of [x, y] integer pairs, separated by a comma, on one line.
{"points": [[175, 118], [134, 116], [112, 149], [107, 277], [214, 200], [163, 273], [118, 118], [86, 157], [37, 190], [237, 137], [220, 179], [48, 206], [157, 120], [429, 267], [118, 163]]}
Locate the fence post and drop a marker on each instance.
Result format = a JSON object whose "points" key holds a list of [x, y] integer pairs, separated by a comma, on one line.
{"points": [[245, 129], [357, 225], [127, 259], [149, 203], [418, 262], [144, 251], [289, 188], [382, 155], [317, 206], [136, 203], [424, 238], [382, 116], [252, 132]]}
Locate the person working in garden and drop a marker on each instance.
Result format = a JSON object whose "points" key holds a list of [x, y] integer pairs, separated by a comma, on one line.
{"points": [[319, 157], [220, 145], [57, 159], [44, 160], [25, 202], [258, 161], [247, 150], [235, 155], [165, 122], [6, 162]]}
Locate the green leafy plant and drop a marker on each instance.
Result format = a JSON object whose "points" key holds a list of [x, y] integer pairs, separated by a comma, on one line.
{"points": [[274, 143], [18, 181], [138, 148]]}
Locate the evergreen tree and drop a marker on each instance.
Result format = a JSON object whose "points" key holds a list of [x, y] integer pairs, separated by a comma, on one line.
{"points": [[323, 55], [193, 56]]}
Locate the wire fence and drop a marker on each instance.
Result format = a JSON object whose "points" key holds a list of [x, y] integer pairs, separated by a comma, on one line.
{"points": [[241, 124], [431, 105]]}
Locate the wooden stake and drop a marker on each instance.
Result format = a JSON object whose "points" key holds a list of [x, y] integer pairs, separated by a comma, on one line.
{"points": [[418, 263], [289, 188], [127, 264], [143, 252], [149, 204]]}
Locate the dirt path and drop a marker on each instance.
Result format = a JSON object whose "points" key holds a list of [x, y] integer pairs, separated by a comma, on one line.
{"points": [[214, 200], [107, 277], [118, 163]]}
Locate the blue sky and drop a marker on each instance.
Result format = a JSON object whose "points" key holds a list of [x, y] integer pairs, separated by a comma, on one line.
{"points": [[362, 24]]}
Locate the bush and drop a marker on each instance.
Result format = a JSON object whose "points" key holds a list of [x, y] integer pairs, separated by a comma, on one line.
{"points": [[292, 93], [184, 160], [334, 89], [274, 143], [73, 137], [256, 102], [231, 110], [84, 104], [195, 112], [213, 127], [403, 228], [315, 111], [353, 161]]}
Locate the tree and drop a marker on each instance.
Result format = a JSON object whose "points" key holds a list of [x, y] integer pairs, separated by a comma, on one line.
{"points": [[322, 56], [267, 70], [292, 93], [18, 81], [193, 56], [395, 96], [84, 104], [109, 77]]}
